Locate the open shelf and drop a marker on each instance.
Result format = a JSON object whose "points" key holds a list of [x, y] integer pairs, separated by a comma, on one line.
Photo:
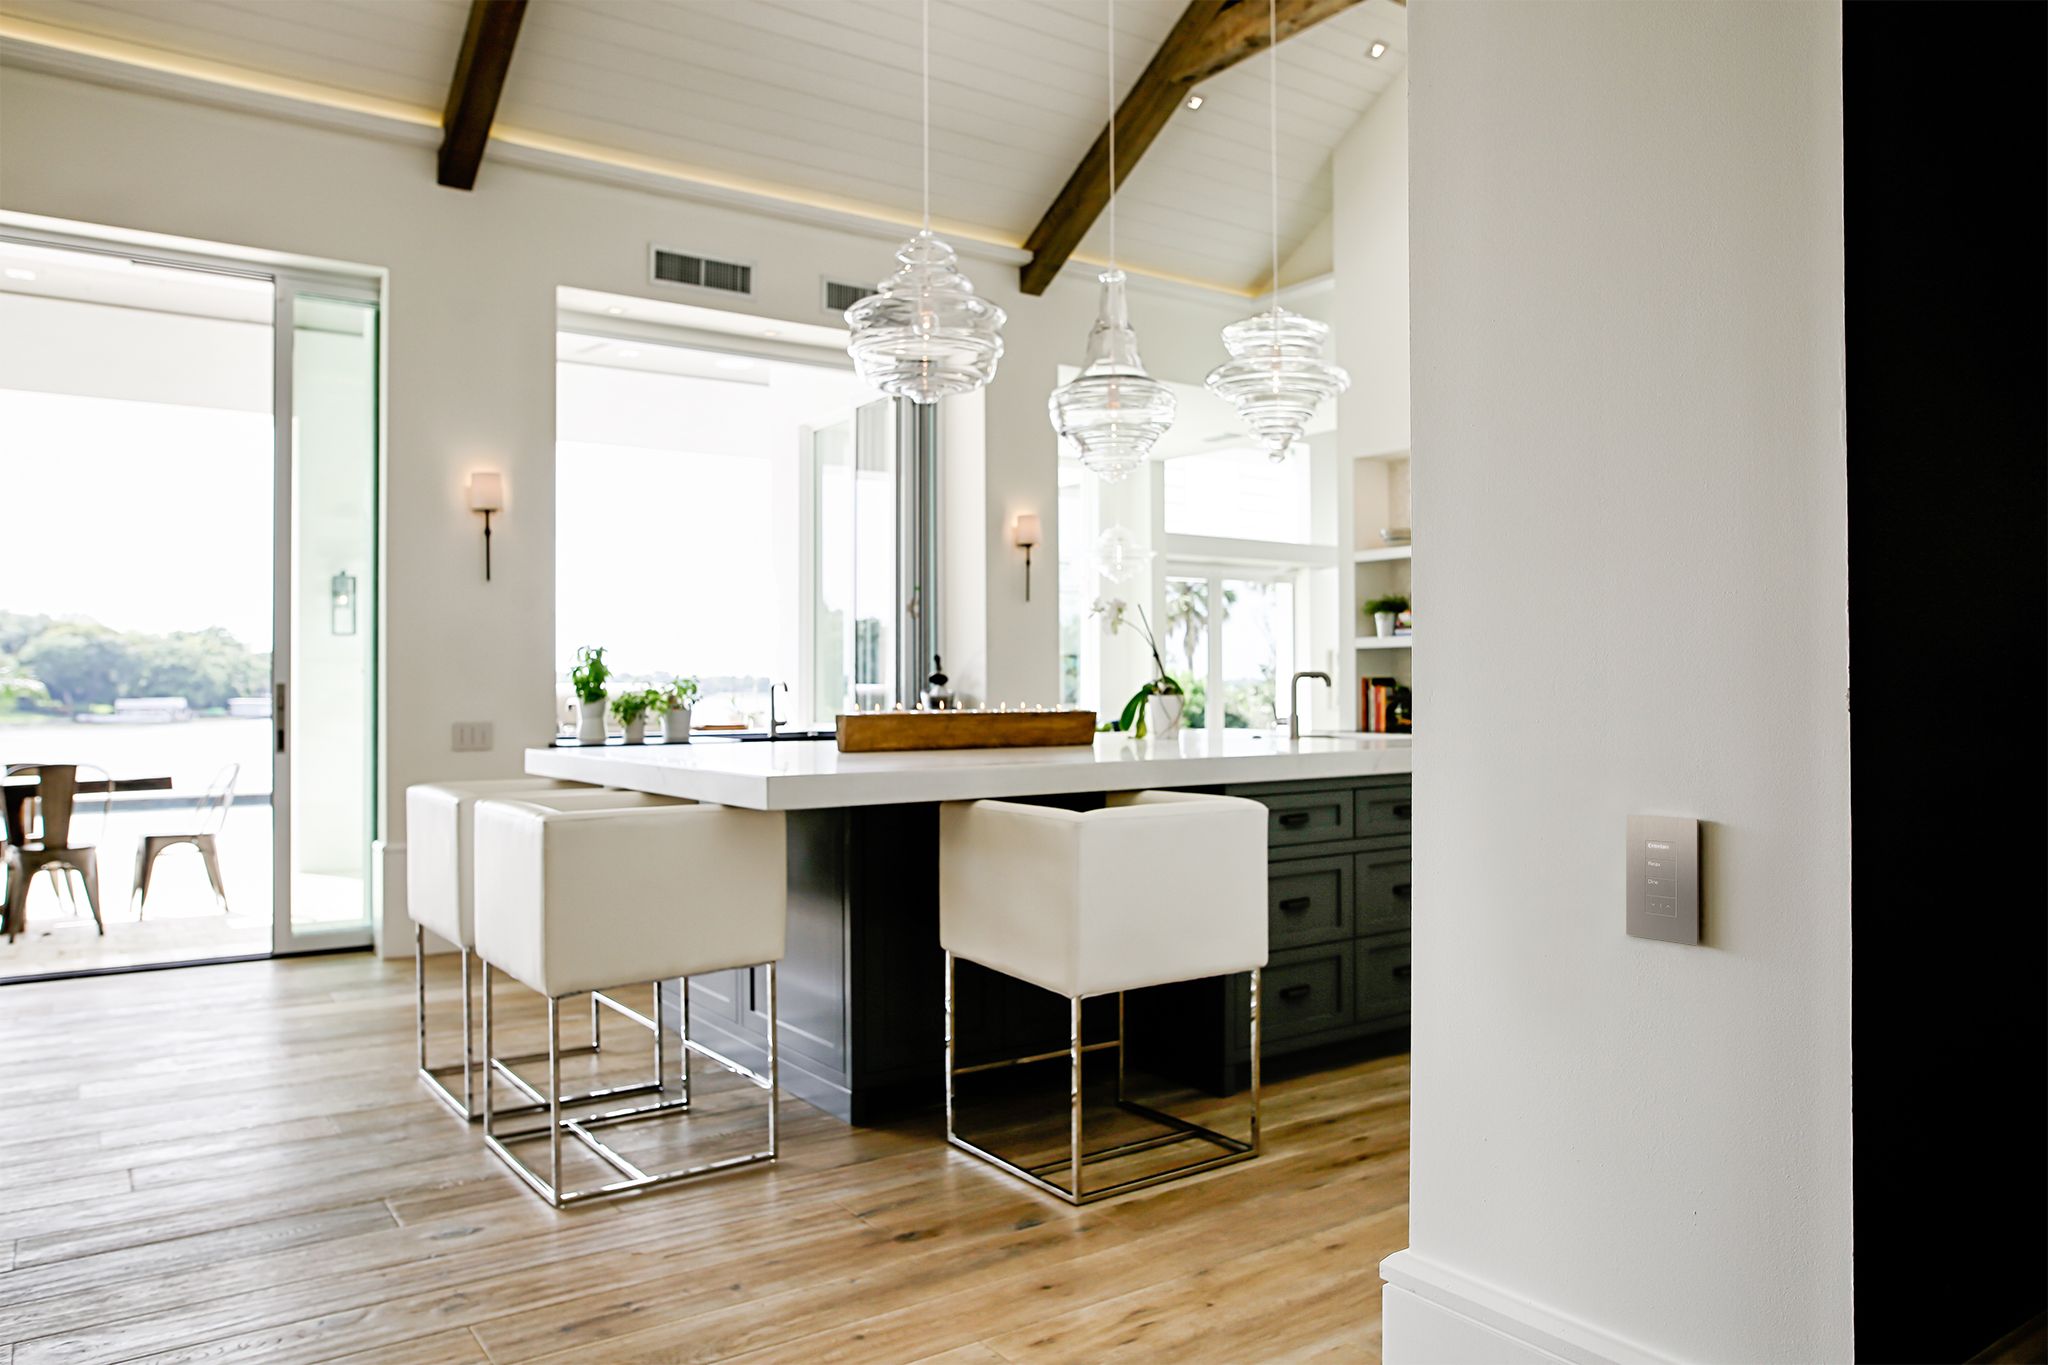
{"points": [[1389, 642], [1382, 554]]}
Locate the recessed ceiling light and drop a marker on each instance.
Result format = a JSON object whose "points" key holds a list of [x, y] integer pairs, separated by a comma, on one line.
{"points": [[17, 273], [1194, 101], [771, 332], [735, 362], [615, 311], [1377, 50]]}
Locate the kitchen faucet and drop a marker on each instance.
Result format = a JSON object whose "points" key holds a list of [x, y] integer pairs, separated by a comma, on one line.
{"points": [[1294, 702], [774, 724]]}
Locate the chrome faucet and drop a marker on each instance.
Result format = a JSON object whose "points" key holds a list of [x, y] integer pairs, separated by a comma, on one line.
{"points": [[1294, 701], [773, 723]]}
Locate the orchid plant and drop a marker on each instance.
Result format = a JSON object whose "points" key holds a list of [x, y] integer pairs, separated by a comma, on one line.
{"points": [[1116, 614]]}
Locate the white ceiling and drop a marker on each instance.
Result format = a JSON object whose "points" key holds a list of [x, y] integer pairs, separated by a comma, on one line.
{"points": [[818, 99]]}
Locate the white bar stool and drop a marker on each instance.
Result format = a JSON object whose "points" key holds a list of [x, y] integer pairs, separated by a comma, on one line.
{"points": [[440, 896], [1156, 887], [576, 900]]}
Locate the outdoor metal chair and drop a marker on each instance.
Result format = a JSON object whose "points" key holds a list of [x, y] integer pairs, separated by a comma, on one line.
{"points": [[50, 846], [210, 813]]}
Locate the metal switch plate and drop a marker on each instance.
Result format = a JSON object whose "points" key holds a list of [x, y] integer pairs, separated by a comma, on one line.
{"points": [[1664, 878], [473, 737]]}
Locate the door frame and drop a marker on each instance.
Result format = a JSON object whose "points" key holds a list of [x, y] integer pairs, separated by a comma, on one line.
{"points": [[289, 282]]}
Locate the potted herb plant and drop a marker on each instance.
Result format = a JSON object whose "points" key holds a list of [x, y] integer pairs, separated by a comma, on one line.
{"points": [[675, 702], [630, 710], [588, 677], [1383, 610], [1156, 710]]}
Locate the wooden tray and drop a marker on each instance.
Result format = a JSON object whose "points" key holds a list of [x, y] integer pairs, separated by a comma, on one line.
{"points": [[891, 731]]}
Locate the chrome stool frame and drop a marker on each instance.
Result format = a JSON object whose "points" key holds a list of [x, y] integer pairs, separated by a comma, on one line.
{"points": [[549, 1186], [437, 1078], [1076, 1161]]}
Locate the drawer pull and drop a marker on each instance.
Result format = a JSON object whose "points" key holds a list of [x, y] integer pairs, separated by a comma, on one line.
{"points": [[1401, 890], [1294, 905], [1294, 992], [1293, 819], [1404, 811], [1401, 972]]}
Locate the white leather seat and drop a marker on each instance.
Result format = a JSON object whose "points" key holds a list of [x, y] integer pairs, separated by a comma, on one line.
{"points": [[1153, 888], [574, 894], [439, 898]]}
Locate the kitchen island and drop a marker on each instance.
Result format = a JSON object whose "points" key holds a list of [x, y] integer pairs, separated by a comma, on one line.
{"points": [[860, 987]]}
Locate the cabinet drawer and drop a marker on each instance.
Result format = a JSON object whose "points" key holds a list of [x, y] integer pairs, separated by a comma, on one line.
{"points": [[1383, 970], [1383, 891], [1306, 817], [1308, 901], [1303, 991], [1383, 810]]}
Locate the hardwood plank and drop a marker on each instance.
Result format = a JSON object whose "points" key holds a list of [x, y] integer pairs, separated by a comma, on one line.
{"points": [[331, 1209]]}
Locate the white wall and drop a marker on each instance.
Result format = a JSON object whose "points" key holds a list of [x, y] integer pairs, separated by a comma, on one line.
{"points": [[472, 279], [1629, 453]]}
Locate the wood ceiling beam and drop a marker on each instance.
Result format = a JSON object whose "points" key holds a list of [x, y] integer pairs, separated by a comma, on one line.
{"points": [[1211, 36], [480, 69]]}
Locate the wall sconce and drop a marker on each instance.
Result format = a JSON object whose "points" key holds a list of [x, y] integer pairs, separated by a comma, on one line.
{"points": [[1024, 535], [487, 495], [343, 590]]}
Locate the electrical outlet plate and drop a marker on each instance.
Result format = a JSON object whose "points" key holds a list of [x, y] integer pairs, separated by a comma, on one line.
{"points": [[1664, 878], [473, 737]]}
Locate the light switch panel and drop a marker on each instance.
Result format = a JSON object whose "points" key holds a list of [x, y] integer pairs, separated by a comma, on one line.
{"points": [[1664, 878], [473, 737]]}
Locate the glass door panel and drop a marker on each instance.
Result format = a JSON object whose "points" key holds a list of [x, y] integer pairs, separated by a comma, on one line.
{"points": [[854, 589], [1258, 650], [324, 716]]}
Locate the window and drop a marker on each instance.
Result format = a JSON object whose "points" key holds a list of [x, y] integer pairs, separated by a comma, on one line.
{"points": [[1239, 494], [730, 516]]}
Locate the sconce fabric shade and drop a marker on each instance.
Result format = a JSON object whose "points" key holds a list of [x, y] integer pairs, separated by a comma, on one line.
{"points": [[1024, 531], [486, 492]]}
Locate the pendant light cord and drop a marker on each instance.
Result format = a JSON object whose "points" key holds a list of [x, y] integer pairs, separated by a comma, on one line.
{"points": [[1273, 141], [1112, 134], [925, 96]]}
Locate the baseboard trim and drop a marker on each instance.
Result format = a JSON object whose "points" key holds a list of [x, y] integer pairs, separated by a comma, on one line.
{"points": [[1432, 1313]]}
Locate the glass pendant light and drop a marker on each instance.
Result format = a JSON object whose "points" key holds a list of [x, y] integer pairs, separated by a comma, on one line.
{"points": [[1113, 413], [1118, 556], [1276, 376], [925, 334]]}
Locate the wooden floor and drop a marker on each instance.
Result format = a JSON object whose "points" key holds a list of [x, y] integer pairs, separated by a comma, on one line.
{"points": [[236, 1163]]}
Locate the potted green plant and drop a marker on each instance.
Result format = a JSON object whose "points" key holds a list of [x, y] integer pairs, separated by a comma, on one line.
{"points": [[675, 702], [1156, 709], [1383, 610], [630, 710], [588, 677]]}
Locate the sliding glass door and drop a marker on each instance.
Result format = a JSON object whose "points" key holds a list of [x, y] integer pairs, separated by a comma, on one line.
{"points": [[324, 688]]}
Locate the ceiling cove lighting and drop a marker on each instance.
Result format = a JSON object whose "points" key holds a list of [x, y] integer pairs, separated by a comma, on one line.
{"points": [[1276, 376], [924, 334], [1377, 50], [1112, 412]]}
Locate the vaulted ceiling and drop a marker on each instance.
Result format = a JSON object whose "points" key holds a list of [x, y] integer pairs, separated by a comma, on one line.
{"points": [[817, 100]]}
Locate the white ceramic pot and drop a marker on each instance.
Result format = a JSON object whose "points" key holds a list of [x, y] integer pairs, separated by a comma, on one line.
{"points": [[590, 721], [636, 729], [1162, 715], [1383, 624], [675, 726]]}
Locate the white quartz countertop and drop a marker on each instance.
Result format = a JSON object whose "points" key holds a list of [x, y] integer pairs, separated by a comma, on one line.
{"points": [[813, 774]]}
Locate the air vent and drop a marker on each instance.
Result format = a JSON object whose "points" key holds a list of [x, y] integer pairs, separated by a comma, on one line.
{"points": [[840, 296], [702, 272]]}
